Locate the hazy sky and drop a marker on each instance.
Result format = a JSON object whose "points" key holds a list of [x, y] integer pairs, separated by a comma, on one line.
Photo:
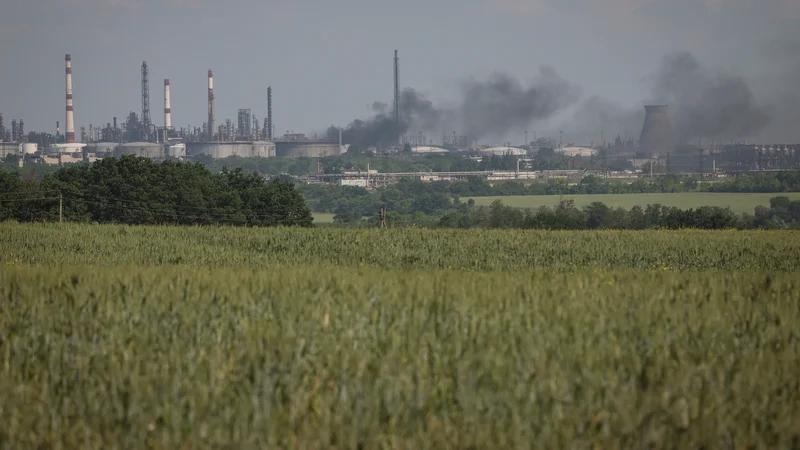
{"points": [[328, 60]]}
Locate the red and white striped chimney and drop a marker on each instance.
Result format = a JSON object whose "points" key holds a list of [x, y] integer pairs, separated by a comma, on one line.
{"points": [[167, 110], [70, 124], [210, 105]]}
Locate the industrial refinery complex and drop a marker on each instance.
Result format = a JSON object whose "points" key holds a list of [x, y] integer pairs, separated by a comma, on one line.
{"points": [[247, 137], [140, 136]]}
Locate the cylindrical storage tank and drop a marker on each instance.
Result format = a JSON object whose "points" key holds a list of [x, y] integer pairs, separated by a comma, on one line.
{"points": [[309, 149], [218, 150], [428, 149], [502, 151], [263, 149], [8, 148], [101, 148], [75, 147], [177, 151], [28, 148], [142, 149]]}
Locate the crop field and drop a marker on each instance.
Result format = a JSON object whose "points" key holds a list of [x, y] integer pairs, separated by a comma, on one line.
{"points": [[738, 203], [221, 337], [322, 217]]}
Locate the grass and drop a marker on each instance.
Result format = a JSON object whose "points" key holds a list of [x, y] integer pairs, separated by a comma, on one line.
{"points": [[739, 203], [323, 217], [217, 337]]}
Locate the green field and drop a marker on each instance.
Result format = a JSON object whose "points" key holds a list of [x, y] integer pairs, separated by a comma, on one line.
{"points": [[322, 217], [223, 337], [739, 203]]}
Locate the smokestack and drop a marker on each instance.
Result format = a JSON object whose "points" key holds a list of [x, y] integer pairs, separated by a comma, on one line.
{"points": [[269, 113], [70, 124], [656, 135], [145, 118], [167, 111], [210, 106], [397, 96]]}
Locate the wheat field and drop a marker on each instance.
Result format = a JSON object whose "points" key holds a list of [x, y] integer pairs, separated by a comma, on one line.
{"points": [[167, 337]]}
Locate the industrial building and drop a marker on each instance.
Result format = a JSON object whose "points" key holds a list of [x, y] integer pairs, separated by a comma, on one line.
{"points": [[296, 148], [217, 150], [143, 149], [222, 138], [428, 149], [502, 151]]}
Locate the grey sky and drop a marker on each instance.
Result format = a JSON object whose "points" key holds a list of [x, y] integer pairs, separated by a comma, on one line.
{"points": [[328, 60]]}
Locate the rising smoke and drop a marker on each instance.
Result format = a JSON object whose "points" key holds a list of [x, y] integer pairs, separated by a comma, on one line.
{"points": [[705, 103], [597, 115], [502, 104], [487, 109]]}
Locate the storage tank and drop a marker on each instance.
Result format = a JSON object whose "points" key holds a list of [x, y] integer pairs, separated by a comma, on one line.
{"points": [[218, 150], [101, 148], [502, 151], [263, 149], [143, 149], [176, 151], [28, 148], [428, 149], [310, 149], [74, 147], [8, 148]]}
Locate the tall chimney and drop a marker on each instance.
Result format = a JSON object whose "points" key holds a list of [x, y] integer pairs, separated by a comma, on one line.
{"points": [[210, 105], [397, 96], [269, 113], [70, 124], [167, 111], [656, 136]]}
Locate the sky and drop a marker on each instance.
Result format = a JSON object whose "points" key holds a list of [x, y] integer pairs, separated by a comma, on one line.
{"points": [[328, 61]]}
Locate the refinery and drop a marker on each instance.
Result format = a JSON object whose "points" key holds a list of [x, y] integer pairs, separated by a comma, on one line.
{"points": [[247, 137]]}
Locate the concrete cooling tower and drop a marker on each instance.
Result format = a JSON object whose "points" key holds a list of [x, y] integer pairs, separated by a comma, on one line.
{"points": [[656, 134]]}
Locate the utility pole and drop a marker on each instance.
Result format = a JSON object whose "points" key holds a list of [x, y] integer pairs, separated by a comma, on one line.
{"points": [[60, 207], [382, 216]]}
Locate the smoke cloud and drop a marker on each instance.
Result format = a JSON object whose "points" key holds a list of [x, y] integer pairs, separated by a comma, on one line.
{"points": [[707, 103], [703, 104], [487, 109], [502, 104], [597, 115]]}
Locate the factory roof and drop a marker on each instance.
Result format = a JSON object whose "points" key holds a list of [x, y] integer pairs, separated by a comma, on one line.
{"points": [[428, 149], [502, 151], [578, 151]]}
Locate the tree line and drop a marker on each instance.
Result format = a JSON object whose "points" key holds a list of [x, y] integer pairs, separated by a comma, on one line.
{"points": [[439, 204], [781, 214], [134, 190]]}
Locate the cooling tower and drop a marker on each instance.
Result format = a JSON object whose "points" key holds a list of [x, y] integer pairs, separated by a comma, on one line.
{"points": [[656, 134]]}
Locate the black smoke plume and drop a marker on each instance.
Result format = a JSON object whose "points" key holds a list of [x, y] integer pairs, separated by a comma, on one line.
{"points": [[705, 103], [486, 109], [502, 104]]}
